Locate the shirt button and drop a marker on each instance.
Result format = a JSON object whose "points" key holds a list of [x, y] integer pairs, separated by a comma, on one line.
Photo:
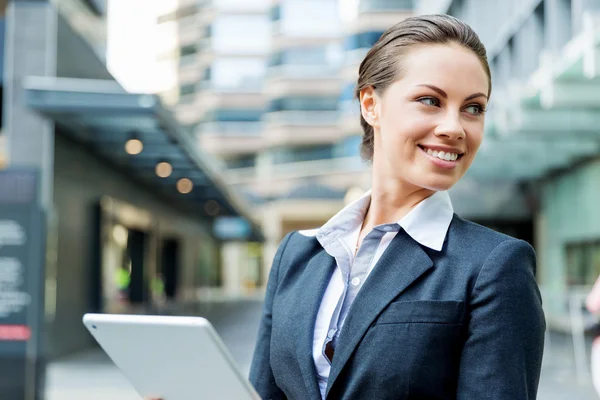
{"points": [[355, 282]]}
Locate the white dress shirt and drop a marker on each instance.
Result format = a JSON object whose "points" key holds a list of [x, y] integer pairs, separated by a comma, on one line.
{"points": [[427, 223]]}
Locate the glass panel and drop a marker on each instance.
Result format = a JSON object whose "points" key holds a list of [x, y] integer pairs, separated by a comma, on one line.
{"points": [[234, 115], [304, 104], [362, 40], [245, 34], [298, 154], [583, 263], [229, 73], [322, 14]]}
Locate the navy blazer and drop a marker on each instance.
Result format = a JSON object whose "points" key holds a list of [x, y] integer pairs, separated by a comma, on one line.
{"points": [[463, 323]]}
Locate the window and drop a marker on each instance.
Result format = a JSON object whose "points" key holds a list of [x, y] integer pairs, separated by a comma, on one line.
{"points": [[234, 115], [234, 72], [244, 34], [348, 147], [186, 90], [363, 40], [583, 263], [304, 104], [323, 16], [275, 13], [386, 5], [303, 153], [188, 50], [322, 55], [245, 161]]}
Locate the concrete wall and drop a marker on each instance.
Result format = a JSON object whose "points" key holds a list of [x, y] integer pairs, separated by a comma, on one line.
{"points": [[80, 180]]}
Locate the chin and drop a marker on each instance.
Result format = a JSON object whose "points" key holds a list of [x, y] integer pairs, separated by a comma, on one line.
{"points": [[439, 184]]}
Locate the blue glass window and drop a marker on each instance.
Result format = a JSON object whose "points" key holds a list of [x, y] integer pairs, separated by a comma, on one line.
{"points": [[305, 153], [234, 115], [348, 147], [275, 13], [363, 40]]}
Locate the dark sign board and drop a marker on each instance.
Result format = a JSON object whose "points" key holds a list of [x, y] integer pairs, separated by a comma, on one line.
{"points": [[22, 255]]}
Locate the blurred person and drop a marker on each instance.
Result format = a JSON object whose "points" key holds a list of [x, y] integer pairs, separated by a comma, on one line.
{"points": [[397, 297]]}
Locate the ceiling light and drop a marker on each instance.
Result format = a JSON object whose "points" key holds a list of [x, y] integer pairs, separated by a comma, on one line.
{"points": [[184, 185], [164, 169], [134, 145]]}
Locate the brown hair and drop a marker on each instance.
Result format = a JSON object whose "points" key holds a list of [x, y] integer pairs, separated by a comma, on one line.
{"points": [[379, 69]]}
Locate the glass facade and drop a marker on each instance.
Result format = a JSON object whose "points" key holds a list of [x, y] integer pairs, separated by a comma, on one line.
{"points": [[240, 73], [322, 14], [302, 153], [329, 56], [303, 103], [245, 34], [232, 114], [362, 40]]}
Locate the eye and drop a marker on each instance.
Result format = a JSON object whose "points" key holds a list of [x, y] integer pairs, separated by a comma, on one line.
{"points": [[429, 101], [475, 109]]}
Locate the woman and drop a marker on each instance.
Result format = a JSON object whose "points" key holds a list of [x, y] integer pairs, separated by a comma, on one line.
{"points": [[396, 297]]}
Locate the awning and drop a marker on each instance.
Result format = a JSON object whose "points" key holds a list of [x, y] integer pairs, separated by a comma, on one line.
{"points": [[100, 114], [551, 122]]}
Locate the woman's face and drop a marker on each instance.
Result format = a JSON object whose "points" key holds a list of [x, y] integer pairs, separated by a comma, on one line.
{"points": [[429, 123]]}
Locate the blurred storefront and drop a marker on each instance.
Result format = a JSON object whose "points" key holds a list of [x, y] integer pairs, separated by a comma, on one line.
{"points": [[136, 215], [543, 129]]}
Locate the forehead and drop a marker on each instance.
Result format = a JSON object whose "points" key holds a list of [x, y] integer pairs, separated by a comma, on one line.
{"points": [[448, 66]]}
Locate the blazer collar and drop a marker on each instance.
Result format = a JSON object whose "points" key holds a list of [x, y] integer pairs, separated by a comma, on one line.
{"points": [[313, 283], [427, 222]]}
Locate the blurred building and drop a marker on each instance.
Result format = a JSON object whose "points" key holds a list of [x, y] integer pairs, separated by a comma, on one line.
{"points": [[262, 91], [543, 128], [136, 215]]}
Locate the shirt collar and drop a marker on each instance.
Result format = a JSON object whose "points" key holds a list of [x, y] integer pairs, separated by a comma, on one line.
{"points": [[427, 222]]}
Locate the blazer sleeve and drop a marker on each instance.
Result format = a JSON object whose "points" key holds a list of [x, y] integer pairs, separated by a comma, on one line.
{"points": [[261, 375], [502, 356]]}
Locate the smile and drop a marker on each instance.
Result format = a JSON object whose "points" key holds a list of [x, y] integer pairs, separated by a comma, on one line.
{"points": [[446, 159]]}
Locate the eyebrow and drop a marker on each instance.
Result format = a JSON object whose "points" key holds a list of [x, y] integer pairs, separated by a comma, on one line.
{"points": [[445, 95]]}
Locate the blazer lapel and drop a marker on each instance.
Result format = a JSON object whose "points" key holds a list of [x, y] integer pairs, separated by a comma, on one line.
{"points": [[312, 285], [403, 262]]}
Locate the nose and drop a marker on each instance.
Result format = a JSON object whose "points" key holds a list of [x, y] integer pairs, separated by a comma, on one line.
{"points": [[450, 127]]}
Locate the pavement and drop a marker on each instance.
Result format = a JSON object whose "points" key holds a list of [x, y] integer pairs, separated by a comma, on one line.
{"points": [[91, 375]]}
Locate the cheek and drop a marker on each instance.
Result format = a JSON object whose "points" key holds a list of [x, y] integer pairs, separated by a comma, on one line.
{"points": [[400, 128], [475, 137]]}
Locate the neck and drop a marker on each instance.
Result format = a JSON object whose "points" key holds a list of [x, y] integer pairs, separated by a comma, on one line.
{"points": [[391, 200]]}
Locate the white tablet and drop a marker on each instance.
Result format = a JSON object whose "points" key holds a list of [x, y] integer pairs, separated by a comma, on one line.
{"points": [[177, 358]]}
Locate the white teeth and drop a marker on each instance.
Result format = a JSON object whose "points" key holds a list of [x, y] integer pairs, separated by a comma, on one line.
{"points": [[443, 155]]}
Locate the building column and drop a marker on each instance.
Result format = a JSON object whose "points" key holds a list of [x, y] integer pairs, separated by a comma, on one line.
{"points": [[30, 50], [233, 256], [30, 44], [272, 230], [558, 24]]}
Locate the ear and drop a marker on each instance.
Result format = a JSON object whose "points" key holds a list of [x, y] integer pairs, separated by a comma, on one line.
{"points": [[369, 106]]}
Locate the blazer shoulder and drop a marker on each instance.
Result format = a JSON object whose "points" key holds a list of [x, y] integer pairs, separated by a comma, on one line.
{"points": [[480, 240], [299, 246], [477, 232]]}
